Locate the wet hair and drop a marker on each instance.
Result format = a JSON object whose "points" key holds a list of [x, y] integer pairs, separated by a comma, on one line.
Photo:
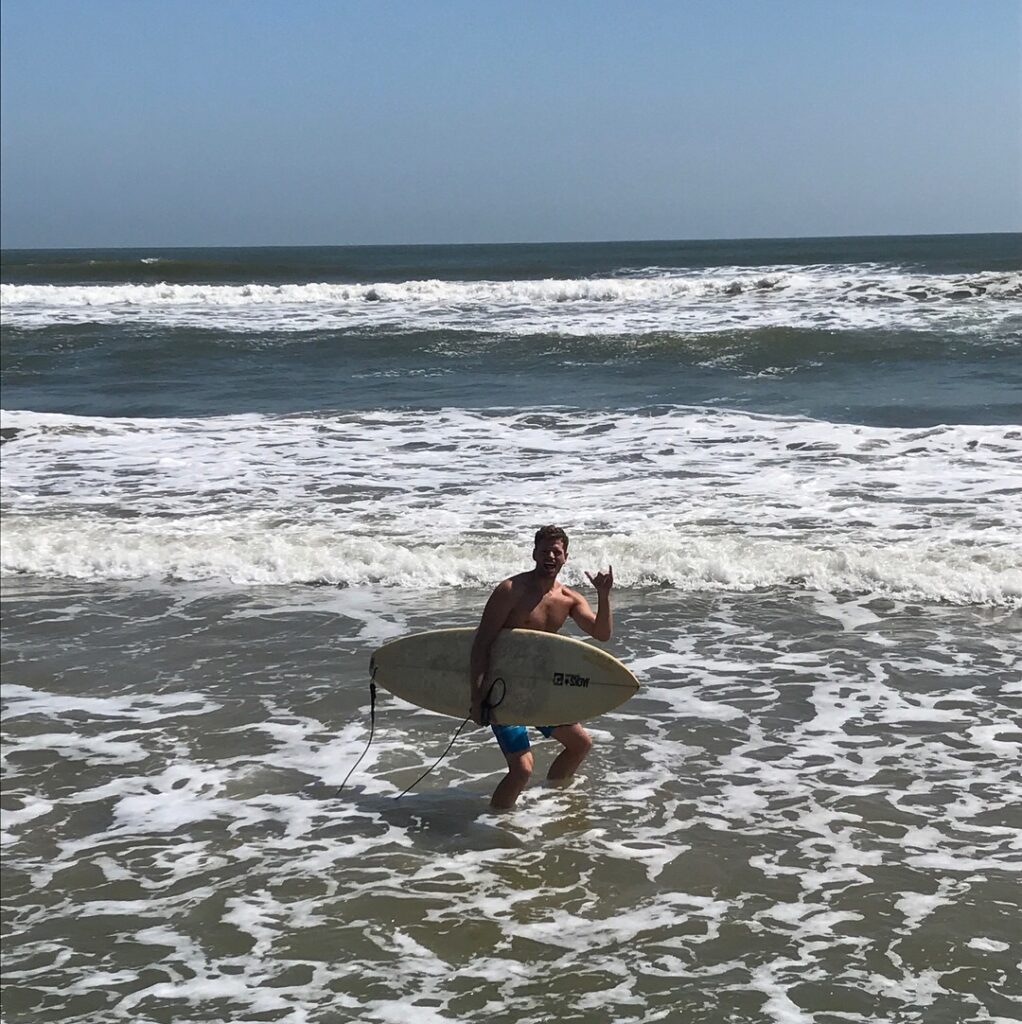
{"points": [[551, 533]]}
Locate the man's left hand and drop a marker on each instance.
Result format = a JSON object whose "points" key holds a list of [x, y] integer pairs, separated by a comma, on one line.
{"points": [[603, 581]]}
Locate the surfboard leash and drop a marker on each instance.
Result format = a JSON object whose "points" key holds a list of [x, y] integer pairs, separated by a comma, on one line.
{"points": [[372, 728], [487, 708], [488, 705], [468, 718]]}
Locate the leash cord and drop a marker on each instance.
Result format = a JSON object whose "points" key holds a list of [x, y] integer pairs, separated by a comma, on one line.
{"points": [[489, 705], [487, 708], [437, 761], [372, 730]]}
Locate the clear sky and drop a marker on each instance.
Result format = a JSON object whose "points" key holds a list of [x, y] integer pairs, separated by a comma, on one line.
{"points": [[289, 122]]}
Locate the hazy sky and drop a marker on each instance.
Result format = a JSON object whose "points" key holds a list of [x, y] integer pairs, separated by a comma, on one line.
{"points": [[277, 122]]}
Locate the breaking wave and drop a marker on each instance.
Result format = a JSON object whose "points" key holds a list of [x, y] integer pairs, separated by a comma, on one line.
{"points": [[686, 498], [821, 297]]}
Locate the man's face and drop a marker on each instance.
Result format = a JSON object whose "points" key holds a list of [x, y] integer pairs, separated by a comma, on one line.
{"points": [[550, 557]]}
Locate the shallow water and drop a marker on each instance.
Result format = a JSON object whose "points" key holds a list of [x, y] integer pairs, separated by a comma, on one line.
{"points": [[228, 475], [800, 817]]}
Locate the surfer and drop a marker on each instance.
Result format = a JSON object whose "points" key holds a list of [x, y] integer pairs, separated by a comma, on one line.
{"points": [[535, 600]]}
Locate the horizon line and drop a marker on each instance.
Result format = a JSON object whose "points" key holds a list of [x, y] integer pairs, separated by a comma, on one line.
{"points": [[438, 245]]}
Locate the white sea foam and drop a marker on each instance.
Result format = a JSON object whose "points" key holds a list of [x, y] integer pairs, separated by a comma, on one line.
{"points": [[689, 498], [853, 296], [15, 817], [988, 945], [845, 837], [23, 700]]}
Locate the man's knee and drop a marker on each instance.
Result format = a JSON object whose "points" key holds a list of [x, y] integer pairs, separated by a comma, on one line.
{"points": [[583, 743], [574, 739], [519, 766]]}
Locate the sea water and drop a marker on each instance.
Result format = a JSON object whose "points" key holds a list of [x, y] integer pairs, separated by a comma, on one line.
{"points": [[229, 474]]}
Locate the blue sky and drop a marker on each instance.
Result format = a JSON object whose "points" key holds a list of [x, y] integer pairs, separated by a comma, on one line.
{"points": [[289, 122]]}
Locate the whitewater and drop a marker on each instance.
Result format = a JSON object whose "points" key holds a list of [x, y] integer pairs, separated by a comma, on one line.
{"points": [[229, 475], [640, 301], [689, 498]]}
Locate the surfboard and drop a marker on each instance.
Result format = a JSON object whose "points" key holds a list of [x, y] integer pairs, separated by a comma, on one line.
{"points": [[537, 678]]}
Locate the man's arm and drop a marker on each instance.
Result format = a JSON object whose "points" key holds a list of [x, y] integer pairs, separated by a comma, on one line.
{"points": [[600, 625], [495, 614]]}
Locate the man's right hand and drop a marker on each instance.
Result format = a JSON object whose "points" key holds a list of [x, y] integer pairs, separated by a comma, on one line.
{"points": [[476, 711]]}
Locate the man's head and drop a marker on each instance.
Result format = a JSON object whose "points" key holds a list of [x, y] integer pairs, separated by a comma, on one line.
{"points": [[550, 550]]}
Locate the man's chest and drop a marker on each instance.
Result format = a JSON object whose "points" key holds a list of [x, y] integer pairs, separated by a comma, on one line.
{"points": [[548, 613]]}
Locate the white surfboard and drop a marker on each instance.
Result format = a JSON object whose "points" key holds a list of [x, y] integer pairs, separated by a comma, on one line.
{"points": [[537, 678]]}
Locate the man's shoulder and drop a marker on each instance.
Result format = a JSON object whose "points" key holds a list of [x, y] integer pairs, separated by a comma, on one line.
{"points": [[512, 583], [572, 595]]}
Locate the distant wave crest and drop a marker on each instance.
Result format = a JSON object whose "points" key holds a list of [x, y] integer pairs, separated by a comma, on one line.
{"points": [[831, 296]]}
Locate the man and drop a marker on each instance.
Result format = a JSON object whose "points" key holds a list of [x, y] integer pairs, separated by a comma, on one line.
{"points": [[535, 600]]}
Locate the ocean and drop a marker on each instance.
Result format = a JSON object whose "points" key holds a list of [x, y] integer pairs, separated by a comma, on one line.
{"points": [[229, 474]]}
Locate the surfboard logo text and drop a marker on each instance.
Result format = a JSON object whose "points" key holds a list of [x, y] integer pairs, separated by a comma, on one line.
{"points": [[567, 679]]}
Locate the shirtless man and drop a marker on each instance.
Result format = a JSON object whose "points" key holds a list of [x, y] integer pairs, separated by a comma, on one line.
{"points": [[535, 600]]}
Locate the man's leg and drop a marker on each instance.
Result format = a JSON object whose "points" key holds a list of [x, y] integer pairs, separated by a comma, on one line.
{"points": [[519, 770], [514, 743], [577, 743]]}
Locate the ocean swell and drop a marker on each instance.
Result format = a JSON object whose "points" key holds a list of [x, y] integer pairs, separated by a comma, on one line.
{"points": [[828, 296]]}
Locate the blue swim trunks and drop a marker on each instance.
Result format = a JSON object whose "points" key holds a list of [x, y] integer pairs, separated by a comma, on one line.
{"points": [[514, 739]]}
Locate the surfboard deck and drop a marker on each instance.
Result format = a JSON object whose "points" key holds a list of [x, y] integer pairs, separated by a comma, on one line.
{"points": [[538, 678]]}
